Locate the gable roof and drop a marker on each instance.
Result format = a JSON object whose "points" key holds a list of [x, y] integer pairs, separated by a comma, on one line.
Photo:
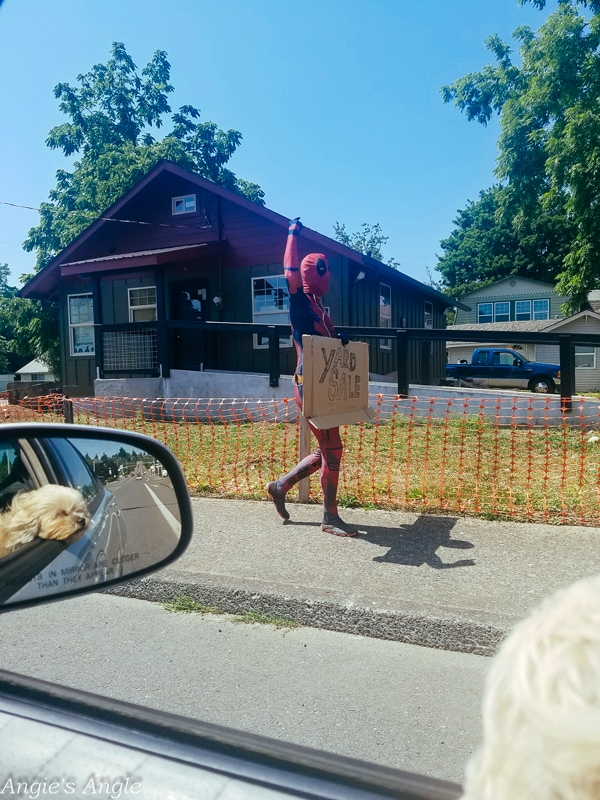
{"points": [[34, 366], [494, 284], [45, 283]]}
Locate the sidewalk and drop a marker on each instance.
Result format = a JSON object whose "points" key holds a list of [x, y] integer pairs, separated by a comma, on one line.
{"points": [[447, 582]]}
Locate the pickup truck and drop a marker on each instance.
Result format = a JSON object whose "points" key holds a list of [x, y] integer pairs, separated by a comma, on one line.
{"points": [[503, 368]]}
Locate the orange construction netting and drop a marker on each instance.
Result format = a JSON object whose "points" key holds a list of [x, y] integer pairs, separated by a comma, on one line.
{"points": [[522, 458]]}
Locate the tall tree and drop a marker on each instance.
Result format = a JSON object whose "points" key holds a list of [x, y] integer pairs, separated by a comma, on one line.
{"points": [[549, 144], [114, 115], [487, 245], [368, 240]]}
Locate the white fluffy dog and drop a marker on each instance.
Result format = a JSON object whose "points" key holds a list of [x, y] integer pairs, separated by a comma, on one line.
{"points": [[51, 512], [541, 709]]}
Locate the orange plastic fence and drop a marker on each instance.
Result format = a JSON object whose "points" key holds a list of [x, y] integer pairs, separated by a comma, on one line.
{"points": [[521, 458]]}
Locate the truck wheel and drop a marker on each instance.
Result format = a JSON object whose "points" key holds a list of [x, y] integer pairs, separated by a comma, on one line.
{"points": [[542, 385]]}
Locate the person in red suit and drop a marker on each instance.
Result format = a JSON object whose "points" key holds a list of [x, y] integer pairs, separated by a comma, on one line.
{"points": [[307, 283]]}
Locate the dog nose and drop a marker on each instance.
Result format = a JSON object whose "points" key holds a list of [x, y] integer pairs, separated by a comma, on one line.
{"points": [[81, 521]]}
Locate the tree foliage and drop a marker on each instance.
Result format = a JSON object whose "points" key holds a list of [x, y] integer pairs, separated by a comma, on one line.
{"points": [[487, 245], [368, 240], [114, 115], [27, 329], [549, 144]]}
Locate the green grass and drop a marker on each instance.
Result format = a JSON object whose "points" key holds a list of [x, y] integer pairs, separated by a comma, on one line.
{"points": [[465, 464], [182, 604]]}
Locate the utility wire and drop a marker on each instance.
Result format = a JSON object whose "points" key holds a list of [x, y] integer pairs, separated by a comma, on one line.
{"points": [[113, 219]]}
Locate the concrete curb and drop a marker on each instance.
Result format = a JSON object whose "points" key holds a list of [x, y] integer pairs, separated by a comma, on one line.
{"points": [[427, 630]]}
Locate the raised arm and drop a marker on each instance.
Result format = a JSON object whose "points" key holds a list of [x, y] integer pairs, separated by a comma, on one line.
{"points": [[291, 267]]}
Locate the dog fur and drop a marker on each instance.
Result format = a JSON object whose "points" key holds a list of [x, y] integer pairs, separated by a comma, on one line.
{"points": [[541, 708], [51, 512]]}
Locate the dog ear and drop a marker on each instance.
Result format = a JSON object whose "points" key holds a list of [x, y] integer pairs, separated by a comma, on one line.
{"points": [[22, 522]]}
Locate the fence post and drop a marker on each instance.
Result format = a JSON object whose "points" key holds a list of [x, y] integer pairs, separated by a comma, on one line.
{"points": [[273, 357], [402, 362], [304, 484], [567, 370], [67, 407]]}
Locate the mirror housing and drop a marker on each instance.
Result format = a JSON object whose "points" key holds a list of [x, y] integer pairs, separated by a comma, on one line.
{"points": [[85, 508]]}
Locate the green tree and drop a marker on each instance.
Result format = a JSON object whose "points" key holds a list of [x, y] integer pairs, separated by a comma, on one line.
{"points": [[24, 326], [549, 144], [114, 115], [487, 245], [368, 240]]}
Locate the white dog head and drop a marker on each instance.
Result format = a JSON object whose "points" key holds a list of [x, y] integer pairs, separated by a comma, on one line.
{"points": [[541, 710], [51, 512]]}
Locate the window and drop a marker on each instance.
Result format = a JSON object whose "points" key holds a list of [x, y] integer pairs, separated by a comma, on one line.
{"points": [[37, 376], [502, 312], [428, 317], [504, 359], [541, 309], [585, 357], [81, 324], [485, 312], [270, 306], [385, 313], [183, 205], [522, 310], [142, 304]]}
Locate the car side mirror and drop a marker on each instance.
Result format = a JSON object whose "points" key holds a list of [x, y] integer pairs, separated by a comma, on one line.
{"points": [[517, 362], [84, 508]]}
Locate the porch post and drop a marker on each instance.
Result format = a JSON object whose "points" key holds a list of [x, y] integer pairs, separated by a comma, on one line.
{"points": [[402, 362], [274, 372], [97, 305], [162, 343], [567, 370]]}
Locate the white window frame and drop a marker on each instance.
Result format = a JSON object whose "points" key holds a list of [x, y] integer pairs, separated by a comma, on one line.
{"points": [[385, 319], [262, 342], [479, 314], [585, 350], [134, 308], [183, 199], [520, 315], [541, 315], [80, 325], [428, 315], [502, 313]]}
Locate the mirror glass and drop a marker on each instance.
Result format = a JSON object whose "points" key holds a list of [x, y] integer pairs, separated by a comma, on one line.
{"points": [[77, 511]]}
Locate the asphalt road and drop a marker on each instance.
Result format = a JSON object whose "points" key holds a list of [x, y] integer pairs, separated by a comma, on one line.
{"points": [[151, 513], [396, 704]]}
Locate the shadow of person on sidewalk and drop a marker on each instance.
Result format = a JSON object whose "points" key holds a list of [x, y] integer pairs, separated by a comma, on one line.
{"points": [[416, 544]]}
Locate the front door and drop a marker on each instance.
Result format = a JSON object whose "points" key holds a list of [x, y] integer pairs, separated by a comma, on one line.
{"points": [[188, 304]]}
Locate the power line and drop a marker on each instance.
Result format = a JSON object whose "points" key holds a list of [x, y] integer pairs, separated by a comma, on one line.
{"points": [[127, 221]]}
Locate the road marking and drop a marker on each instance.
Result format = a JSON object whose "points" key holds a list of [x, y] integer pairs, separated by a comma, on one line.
{"points": [[172, 521]]}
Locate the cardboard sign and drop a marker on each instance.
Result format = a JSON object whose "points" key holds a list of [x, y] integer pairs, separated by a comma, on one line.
{"points": [[335, 382]]}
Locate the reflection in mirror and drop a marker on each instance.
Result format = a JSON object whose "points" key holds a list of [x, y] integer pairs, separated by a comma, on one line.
{"points": [[77, 512]]}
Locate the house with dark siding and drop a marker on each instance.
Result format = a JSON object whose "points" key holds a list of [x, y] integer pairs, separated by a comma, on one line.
{"points": [[176, 251]]}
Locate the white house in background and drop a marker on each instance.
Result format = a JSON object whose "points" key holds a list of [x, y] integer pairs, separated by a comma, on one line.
{"points": [[35, 372]]}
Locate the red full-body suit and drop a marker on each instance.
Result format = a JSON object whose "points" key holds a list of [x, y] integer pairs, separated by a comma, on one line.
{"points": [[307, 283]]}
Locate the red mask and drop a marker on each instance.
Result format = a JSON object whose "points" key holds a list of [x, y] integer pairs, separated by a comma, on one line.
{"points": [[314, 270]]}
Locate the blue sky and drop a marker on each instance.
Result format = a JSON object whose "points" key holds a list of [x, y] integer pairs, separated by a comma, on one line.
{"points": [[338, 102]]}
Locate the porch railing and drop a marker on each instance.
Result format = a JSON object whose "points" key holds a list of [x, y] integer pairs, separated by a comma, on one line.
{"points": [[119, 347]]}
